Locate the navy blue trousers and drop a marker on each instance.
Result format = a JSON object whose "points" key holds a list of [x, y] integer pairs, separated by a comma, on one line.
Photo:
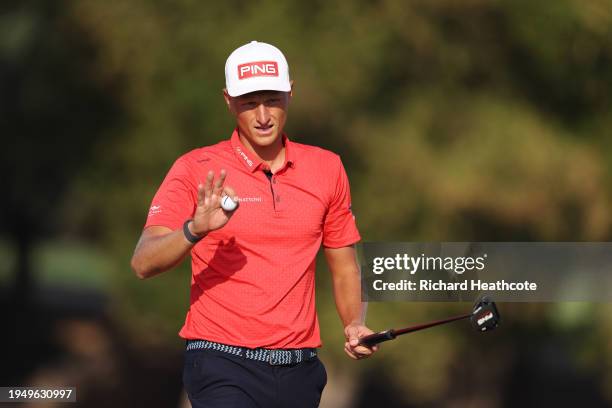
{"points": [[214, 379]]}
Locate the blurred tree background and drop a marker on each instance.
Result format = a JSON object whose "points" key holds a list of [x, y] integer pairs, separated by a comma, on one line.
{"points": [[478, 120]]}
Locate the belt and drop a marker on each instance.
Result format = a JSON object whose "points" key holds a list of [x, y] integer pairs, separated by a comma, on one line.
{"points": [[270, 356]]}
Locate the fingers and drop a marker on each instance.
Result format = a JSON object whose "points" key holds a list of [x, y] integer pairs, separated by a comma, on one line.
{"points": [[227, 190], [201, 194], [357, 353], [352, 347], [209, 181], [352, 336], [362, 350], [214, 188], [209, 214], [350, 354], [219, 183]]}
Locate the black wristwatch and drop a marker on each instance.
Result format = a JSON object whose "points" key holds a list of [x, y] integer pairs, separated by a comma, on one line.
{"points": [[190, 237]]}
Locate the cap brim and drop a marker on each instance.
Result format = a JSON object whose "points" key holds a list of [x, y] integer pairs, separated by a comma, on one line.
{"points": [[261, 85]]}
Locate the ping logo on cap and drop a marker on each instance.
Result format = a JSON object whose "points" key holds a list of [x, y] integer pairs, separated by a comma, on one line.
{"points": [[257, 68]]}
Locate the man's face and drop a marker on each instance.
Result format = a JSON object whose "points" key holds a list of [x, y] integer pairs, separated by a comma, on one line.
{"points": [[260, 115]]}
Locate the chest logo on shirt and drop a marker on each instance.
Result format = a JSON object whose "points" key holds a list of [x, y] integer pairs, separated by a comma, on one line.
{"points": [[250, 199], [244, 157]]}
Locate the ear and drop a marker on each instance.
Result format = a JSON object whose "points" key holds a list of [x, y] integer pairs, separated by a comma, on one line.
{"points": [[290, 93], [228, 99]]}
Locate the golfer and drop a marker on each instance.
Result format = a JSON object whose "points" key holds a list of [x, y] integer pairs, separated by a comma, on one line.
{"points": [[251, 329]]}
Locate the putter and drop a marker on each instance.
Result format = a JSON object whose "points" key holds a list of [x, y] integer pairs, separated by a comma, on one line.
{"points": [[484, 317]]}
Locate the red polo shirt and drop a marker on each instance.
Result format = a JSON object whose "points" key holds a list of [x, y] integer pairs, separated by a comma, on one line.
{"points": [[253, 280]]}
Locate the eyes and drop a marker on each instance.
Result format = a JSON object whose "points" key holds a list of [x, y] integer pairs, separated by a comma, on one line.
{"points": [[248, 105], [252, 104]]}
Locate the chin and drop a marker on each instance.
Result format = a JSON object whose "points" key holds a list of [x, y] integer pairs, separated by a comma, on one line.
{"points": [[266, 140]]}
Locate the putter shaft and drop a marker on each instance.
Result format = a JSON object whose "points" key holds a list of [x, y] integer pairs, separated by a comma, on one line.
{"points": [[390, 334]]}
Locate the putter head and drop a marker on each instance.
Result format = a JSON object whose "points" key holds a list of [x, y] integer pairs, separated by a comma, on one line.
{"points": [[485, 316]]}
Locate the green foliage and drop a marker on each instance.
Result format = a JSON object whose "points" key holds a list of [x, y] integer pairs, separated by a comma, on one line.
{"points": [[474, 120]]}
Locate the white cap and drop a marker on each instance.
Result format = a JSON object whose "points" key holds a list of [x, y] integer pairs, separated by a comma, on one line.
{"points": [[256, 66]]}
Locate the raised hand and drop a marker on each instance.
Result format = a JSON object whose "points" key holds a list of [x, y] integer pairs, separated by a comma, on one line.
{"points": [[209, 215]]}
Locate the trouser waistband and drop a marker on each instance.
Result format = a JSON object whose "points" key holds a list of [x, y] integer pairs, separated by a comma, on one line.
{"points": [[270, 356]]}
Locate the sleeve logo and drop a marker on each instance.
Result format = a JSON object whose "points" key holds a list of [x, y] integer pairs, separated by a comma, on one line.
{"points": [[155, 209]]}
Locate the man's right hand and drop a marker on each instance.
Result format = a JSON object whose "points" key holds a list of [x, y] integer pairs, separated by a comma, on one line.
{"points": [[160, 248], [209, 215]]}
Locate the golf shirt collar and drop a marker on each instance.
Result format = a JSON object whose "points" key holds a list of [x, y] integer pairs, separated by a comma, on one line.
{"points": [[251, 161]]}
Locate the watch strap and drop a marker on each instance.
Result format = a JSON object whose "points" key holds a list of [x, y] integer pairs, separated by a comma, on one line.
{"points": [[190, 237]]}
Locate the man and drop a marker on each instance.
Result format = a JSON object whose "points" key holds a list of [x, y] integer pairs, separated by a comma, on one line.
{"points": [[252, 328]]}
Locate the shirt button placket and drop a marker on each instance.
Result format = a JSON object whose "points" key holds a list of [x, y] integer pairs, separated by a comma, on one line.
{"points": [[277, 194]]}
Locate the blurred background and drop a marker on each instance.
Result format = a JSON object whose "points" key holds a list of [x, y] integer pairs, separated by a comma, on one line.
{"points": [[478, 120]]}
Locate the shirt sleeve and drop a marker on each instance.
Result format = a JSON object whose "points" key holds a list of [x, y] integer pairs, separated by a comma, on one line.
{"points": [[176, 198], [339, 228]]}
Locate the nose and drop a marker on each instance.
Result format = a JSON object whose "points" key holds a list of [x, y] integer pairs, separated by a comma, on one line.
{"points": [[263, 116]]}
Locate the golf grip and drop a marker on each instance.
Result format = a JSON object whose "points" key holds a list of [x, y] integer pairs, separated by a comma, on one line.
{"points": [[390, 334], [376, 338]]}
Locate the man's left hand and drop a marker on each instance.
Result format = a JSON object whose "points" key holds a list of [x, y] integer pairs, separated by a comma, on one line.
{"points": [[353, 332]]}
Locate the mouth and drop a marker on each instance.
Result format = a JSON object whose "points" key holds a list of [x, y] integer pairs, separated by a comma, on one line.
{"points": [[264, 130]]}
